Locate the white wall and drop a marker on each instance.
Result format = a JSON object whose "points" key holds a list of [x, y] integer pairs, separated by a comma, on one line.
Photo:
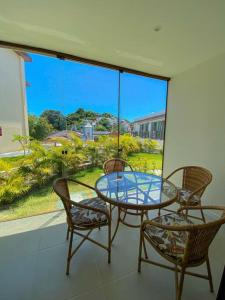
{"points": [[195, 133], [13, 110]]}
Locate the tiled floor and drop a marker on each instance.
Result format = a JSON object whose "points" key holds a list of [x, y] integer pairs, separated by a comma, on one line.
{"points": [[33, 256]]}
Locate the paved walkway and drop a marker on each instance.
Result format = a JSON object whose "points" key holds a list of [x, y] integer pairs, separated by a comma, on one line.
{"points": [[13, 154]]}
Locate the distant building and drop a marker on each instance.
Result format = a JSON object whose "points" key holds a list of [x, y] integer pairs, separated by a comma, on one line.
{"points": [[88, 132], [99, 133], [13, 110], [150, 126], [125, 126], [66, 134]]}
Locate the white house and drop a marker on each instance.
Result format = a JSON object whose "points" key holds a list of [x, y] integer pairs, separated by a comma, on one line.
{"points": [[13, 106], [150, 126]]}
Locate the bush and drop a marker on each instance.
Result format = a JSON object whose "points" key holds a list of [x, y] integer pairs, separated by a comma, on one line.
{"points": [[12, 184], [42, 164], [128, 144], [39, 167], [101, 150], [148, 145]]}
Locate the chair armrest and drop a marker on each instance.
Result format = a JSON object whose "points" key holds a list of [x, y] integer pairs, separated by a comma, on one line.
{"points": [[204, 207], [189, 227], [175, 171], [81, 183], [203, 187], [130, 167]]}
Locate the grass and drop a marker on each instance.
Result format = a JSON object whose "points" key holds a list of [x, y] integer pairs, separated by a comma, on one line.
{"points": [[146, 161], [45, 200]]}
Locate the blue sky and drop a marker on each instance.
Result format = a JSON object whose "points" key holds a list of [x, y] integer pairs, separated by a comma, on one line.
{"points": [[67, 86]]}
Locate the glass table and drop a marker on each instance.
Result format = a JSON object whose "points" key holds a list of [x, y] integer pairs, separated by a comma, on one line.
{"points": [[135, 193]]}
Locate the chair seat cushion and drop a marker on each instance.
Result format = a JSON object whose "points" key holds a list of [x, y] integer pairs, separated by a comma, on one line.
{"points": [[170, 243], [82, 216], [184, 195]]}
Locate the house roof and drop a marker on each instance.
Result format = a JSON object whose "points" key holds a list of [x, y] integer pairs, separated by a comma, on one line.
{"points": [[101, 132], [151, 117], [62, 134]]}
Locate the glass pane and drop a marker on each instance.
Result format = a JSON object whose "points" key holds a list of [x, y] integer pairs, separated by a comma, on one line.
{"points": [[65, 122], [142, 122]]}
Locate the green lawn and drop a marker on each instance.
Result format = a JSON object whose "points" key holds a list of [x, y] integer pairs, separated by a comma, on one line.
{"points": [[45, 200], [146, 161]]}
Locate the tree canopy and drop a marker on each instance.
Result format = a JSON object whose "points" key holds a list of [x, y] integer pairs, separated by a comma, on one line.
{"points": [[55, 118], [39, 127]]}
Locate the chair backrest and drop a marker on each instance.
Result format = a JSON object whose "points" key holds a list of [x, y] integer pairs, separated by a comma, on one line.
{"points": [[195, 177], [114, 165], [201, 236], [60, 186]]}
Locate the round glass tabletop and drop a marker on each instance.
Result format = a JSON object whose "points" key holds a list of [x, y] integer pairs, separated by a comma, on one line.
{"points": [[136, 190]]}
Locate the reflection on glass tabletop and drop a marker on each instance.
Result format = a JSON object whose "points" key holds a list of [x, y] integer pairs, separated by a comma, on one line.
{"points": [[136, 190]]}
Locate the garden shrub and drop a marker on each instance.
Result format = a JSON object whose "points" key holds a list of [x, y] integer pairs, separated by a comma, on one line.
{"points": [[43, 162], [12, 184]]}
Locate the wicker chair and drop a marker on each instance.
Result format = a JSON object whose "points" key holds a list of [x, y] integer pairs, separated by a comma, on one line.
{"points": [[85, 215], [115, 165], [184, 244], [194, 182]]}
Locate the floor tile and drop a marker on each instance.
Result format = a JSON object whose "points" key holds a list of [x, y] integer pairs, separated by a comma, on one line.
{"points": [[33, 260]]}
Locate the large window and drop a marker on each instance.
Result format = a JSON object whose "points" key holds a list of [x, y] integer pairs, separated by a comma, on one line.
{"points": [[63, 117]]}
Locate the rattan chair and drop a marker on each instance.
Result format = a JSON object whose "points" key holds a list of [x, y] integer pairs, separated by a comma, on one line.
{"points": [[194, 182], [181, 242], [115, 165], [85, 215]]}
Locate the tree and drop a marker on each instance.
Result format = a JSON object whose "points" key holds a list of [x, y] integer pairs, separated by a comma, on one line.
{"points": [[55, 118], [39, 128], [100, 128], [107, 115], [80, 115], [105, 123], [23, 140]]}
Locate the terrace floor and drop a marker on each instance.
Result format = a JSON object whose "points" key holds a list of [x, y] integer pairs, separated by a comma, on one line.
{"points": [[33, 256]]}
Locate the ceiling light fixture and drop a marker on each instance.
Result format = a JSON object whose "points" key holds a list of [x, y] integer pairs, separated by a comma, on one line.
{"points": [[157, 28]]}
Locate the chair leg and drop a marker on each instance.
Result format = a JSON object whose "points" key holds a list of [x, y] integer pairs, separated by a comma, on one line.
{"points": [[140, 250], [145, 251], [181, 284], [117, 225], [186, 213], [110, 211], [109, 243], [146, 214], [69, 253], [125, 214], [68, 232], [210, 276], [203, 217], [176, 279]]}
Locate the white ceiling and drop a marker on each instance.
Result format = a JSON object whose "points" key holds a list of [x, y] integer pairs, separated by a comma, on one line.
{"points": [[121, 32]]}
